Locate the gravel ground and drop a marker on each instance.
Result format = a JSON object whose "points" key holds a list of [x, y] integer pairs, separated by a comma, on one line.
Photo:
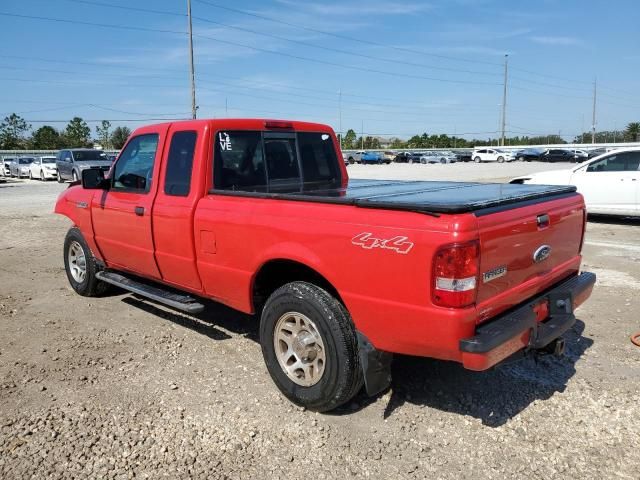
{"points": [[119, 388]]}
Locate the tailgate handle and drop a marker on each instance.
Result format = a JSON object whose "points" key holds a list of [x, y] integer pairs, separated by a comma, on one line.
{"points": [[543, 220]]}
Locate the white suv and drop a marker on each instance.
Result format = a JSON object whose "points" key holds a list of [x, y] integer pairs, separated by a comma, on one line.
{"points": [[491, 155]]}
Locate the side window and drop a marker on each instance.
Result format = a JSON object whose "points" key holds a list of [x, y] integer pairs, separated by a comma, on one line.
{"points": [[134, 168], [238, 161], [177, 180], [633, 161], [613, 163], [282, 161], [318, 158]]}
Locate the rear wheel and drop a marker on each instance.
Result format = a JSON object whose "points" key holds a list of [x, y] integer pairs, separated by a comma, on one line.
{"points": [[309, 346], [80, 265], [477, 159]]}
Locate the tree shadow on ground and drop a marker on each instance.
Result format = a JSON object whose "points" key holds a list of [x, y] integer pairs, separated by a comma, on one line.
{"points": [[493, 396]]}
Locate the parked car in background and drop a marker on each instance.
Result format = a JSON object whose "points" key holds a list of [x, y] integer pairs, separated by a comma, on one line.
{"points": [[527, 154], [43, 168], [70, 163], [354, 157], [559, 155], [20, 167], [463, 155], [610, 183], [596, 152], [445, 156], [6, 166], [581, 155], [491, 155], [388, 156], [373, 157], [402, 157]]}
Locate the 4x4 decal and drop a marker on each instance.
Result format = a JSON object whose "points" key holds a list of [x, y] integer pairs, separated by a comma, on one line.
{"points": [[399, 244]]}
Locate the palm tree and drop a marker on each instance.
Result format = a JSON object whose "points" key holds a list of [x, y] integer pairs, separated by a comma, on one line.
{"points": [[633, 131]]}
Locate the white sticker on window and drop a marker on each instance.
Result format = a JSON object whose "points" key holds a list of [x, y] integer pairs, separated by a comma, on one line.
{"points": [[225, 141], [325, 136]]}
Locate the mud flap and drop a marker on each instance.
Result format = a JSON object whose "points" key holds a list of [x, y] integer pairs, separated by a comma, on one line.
{"points": [[376, 366]]}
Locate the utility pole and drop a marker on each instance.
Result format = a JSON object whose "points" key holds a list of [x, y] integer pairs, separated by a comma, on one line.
{"points": [[362, 135], [340, 116], [504, 97], [193, 75], [593, 118]]}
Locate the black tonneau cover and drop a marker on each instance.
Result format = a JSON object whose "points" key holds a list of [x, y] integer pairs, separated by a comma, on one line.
{"points": [[421, 196]]}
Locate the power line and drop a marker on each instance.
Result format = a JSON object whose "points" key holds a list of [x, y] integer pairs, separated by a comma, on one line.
{"points": [[286, 39], [343, 37], [258, 49]]}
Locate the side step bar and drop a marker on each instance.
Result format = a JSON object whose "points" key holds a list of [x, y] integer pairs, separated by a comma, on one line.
{"points": [[175, 300]]}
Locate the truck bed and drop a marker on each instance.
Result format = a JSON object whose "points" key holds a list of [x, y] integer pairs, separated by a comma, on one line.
{"points": [[429, 197]]}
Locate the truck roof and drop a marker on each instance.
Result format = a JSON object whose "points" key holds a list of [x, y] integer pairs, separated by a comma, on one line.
{"points": [[250, 124], [430, 197]]}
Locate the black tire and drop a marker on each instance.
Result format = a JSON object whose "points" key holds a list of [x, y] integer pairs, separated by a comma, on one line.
{"points": [[42, 176], [90, 286], [477, 160], [521, 158], [500, 159], [342, 375], [74, 176], [60, 180], [30, 175]]}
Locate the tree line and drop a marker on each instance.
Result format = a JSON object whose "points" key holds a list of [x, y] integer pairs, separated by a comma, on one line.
{"points": [[351, 141], [17, 134]]}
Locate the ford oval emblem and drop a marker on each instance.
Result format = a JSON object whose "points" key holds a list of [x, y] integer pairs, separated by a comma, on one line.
{"points": [[542, 253]]}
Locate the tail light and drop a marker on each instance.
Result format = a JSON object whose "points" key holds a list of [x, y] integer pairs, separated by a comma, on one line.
{"points": [[455, 275]]}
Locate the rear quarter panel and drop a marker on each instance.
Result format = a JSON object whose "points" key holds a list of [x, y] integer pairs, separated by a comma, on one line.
{"points": [[386, 292]]}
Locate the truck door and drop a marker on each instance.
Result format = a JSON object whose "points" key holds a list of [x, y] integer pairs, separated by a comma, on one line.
{"points": [[122, 215], [182, 179]]}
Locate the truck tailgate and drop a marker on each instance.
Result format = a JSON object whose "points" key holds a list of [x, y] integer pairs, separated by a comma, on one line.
{"points": [[526, 250]]}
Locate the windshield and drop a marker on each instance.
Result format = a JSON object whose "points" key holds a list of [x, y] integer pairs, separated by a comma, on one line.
{"points": [[26, 161], [48, 159], [87, 155]]}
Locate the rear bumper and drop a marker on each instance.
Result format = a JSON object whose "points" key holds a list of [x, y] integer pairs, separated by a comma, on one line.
{"points": [[498, 339]]}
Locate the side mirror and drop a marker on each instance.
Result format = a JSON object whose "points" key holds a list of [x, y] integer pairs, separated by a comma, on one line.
{"points": [[93, 179]]}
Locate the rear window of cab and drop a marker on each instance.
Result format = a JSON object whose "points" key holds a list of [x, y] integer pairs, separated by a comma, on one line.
{"points": [[258, 161]]}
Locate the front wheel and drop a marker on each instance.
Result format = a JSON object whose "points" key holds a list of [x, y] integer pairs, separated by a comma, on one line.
{"points": [[309, 346], [477, 159], [74, 176], [30, 175], [500, 159], [60, 180], [80, 265]]}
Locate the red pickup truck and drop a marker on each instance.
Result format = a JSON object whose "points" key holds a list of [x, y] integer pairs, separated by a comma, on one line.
{"points": [[260, 215]]}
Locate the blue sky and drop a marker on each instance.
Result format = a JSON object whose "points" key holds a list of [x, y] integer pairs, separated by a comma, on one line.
{"points": [[403, 66]]}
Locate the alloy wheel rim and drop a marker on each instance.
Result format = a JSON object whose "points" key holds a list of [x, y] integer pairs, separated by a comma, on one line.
{"points": [[77, 262], [299, 349]]}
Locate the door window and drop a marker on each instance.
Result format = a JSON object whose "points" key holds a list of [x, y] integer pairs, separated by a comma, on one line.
{"points": [[177, 181], [134, 168], [622, 162]]}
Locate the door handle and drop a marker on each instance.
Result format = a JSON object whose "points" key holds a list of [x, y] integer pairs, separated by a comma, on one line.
{"points": [[139, 211]]}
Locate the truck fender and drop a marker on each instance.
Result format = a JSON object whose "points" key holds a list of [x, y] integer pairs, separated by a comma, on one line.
{"points": [[75, 204]]}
